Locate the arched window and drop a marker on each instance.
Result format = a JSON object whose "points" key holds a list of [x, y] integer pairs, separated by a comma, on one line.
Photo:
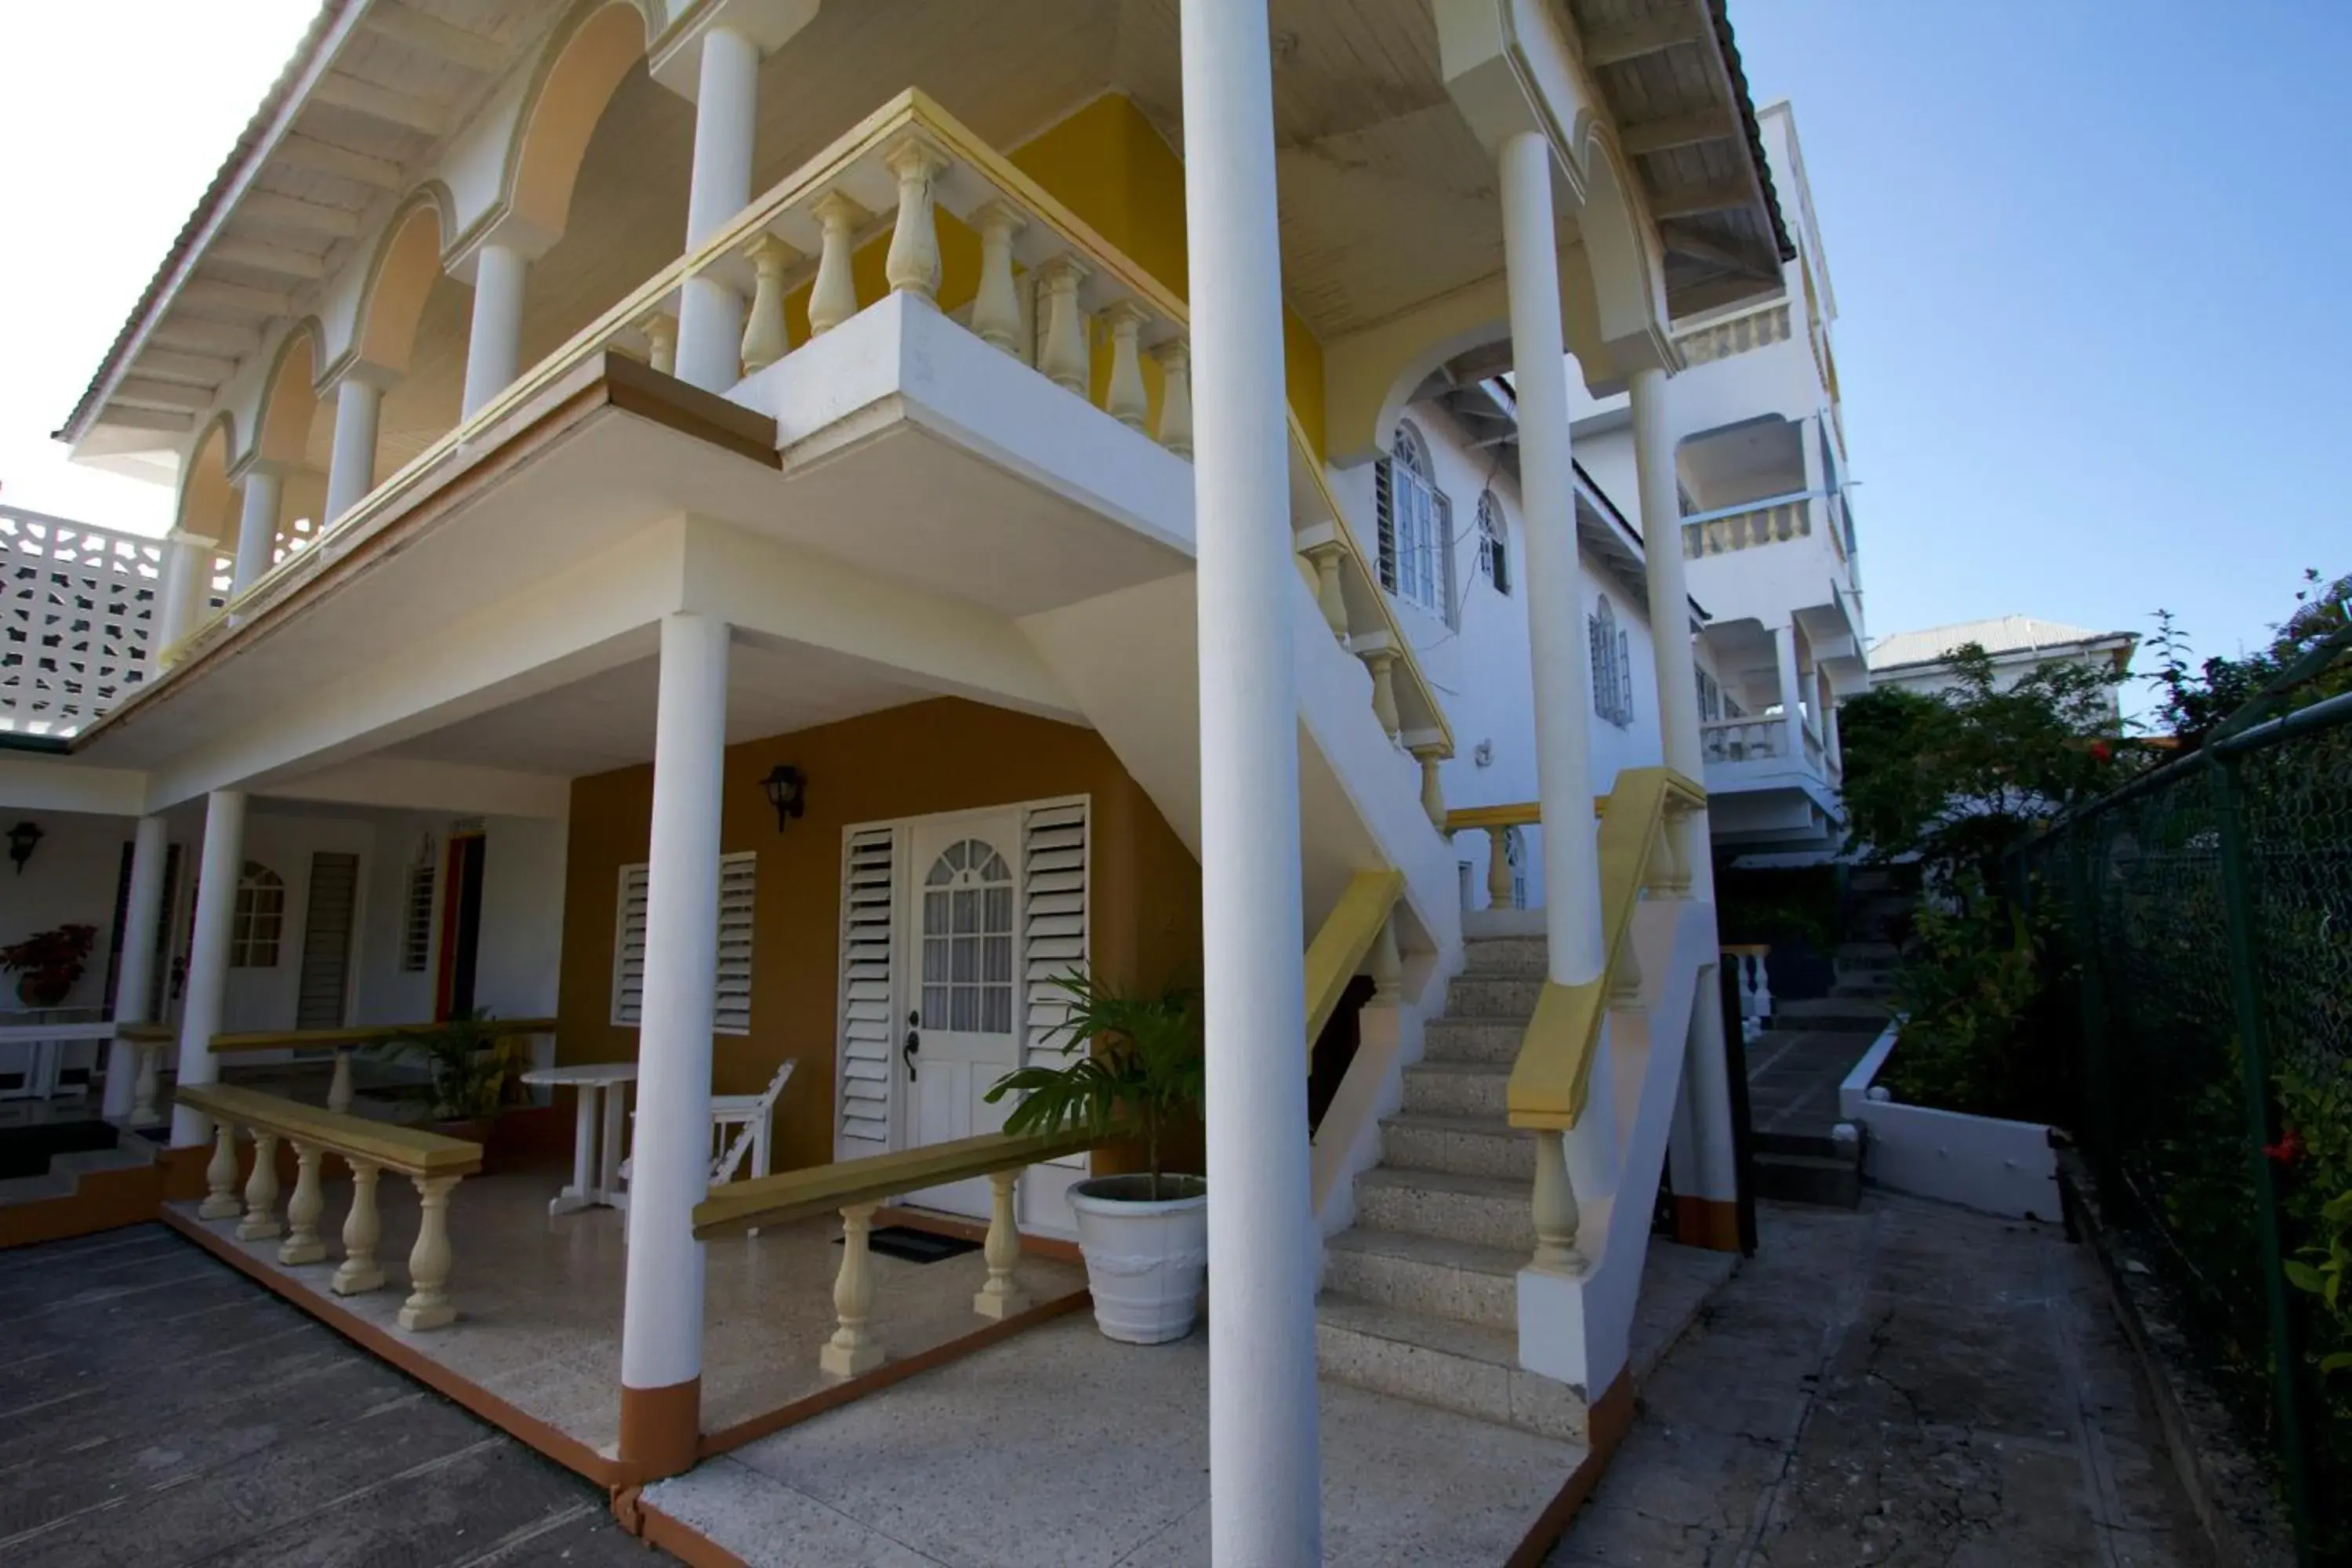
{"points": [[1494, 543], [1416, 525], [968, 939], [1612, 667], [261, 918]]}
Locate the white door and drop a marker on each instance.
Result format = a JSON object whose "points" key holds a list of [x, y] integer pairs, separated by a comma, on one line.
{"points": [[962, 1023]]}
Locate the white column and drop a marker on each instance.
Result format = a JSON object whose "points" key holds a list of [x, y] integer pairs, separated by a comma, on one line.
{"points": [[494, 347], [1793, 692], [1264, 1498], [200, 1014], [351, 472], [661, 1325], [726, 113], [1556, 643], [134, 971], [186, 584], [257, 528], [1830, 746]]}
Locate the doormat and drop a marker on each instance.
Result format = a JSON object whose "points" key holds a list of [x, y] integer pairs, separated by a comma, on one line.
{"points": [[915, 1246]]}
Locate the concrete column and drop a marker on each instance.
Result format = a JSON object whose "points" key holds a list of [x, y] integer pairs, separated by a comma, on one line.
{"points": [[1830, 747], [186, 583], [661, 1324], [257, 528], [1265, 1470], [726, 114], [1654, 464], [222, 864], [350, 473], [1793, 692], [1558, 646], [494, 348], [134, 971]]}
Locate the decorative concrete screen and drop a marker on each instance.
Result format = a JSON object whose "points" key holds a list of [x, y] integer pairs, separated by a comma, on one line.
{"points": [[76, 613]]}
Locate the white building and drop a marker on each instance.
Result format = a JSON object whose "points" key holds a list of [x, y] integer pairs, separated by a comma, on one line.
{"points": [[599, 423], [2020, 645]]}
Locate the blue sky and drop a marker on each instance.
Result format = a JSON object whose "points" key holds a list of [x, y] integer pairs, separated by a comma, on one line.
{"points": [[2093, 341]]}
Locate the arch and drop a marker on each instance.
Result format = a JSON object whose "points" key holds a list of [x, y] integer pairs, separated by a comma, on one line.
{"points": [[206, 505], [1369, 377], [580, 70], [968, 939], [1629, 279], [282, 421], [400, 274]]}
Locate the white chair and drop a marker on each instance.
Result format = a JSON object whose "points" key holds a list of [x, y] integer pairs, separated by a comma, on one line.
{"points": [[738, 1125]]}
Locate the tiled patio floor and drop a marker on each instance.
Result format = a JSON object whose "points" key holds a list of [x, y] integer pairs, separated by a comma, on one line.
{"points": [[539, 1301]]}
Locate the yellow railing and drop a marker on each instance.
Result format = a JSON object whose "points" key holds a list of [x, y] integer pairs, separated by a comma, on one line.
{"points": [[1497, 822], [1357, 924], [344, 1042], [433, 1163], [898, 173]]}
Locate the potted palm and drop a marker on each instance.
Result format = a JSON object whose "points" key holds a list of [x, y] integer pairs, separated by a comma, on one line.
{"points": [[48, 963], [1137, 1065], [471, 1069]]}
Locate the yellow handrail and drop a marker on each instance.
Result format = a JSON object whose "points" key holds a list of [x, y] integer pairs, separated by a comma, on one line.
{"points": [[737, 1206], [303, 1040], [411, 1150], [1551, 1080], [1339, 949]]}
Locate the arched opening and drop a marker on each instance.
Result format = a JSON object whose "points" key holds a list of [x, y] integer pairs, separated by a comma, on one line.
{"points": [[208, 507], [288, 433], [412, 319]]}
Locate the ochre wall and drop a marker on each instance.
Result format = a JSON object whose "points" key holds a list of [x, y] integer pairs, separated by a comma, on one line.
{"points": [[936, 756]]}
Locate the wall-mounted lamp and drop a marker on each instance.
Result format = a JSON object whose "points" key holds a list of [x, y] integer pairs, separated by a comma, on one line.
{"points": [[786, 790], [21, 840]]}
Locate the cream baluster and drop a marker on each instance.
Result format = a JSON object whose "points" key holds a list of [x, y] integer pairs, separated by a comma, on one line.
{"points": [[661, 340], [913, 265], [1385, 965], [833, 298], [303, 1210], [360, 1271], [1063, 357], [1001, 1297], [765, 340], [852, 1349], [1554, 1205], [428, 1306], [147, 1084], [1498, 868], [1124, 398], [1382, 662], [220, 1176], [339, 1090], [996, 309], [1175, 431], [1325, 558], [260, 1221], [1432, 788]]}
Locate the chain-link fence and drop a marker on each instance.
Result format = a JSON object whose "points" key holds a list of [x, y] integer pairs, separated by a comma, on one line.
{"points": [[2208, 908]]}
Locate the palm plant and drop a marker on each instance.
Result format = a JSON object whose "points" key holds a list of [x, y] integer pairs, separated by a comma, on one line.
{"points": [[1139, 1063], [471, 1065]]}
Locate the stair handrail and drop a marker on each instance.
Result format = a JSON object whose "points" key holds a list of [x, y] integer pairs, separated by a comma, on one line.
{"points": [[1357, 924], [1552, 1078]]}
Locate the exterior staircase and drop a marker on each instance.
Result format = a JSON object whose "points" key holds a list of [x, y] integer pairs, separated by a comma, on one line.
{"points": [[1420, 1296], [66, 1177]]}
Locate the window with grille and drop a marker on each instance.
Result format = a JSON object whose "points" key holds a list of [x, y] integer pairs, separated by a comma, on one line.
{"points": [[731, 1011], [1612, 667], [416, 914], [1494, 543], [968, 940], [261, 918], [1415, 521], [1710, 697]]}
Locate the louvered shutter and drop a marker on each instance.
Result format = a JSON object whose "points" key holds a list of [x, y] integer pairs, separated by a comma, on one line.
{"points": [[730, 1007], [868, 928], [1053, 926], [1442, 568], [1625, 681], [1598, 647], [1384, 521], [629, 949]]}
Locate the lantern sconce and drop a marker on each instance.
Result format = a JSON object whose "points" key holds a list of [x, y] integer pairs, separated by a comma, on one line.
{"points": [[787, 791], [21, 840]]}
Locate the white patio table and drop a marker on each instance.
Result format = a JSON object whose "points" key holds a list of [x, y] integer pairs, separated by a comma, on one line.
{"points": [[592, 1156]]}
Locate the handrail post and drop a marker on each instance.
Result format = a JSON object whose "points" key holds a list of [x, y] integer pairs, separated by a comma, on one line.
{"points": [[2253, 1059], [1001, 1297], [853, 1350], [429, 1261], [220, 1176], [303, 1210], [359, 1272], [260, 1221]]}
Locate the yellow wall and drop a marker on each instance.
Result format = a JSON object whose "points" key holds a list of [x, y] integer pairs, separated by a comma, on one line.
{"points": [[1144, 907]]}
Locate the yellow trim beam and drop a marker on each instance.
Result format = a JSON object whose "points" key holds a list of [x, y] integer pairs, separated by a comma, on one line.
{"points": [[411, 1150], [1339, 949]]}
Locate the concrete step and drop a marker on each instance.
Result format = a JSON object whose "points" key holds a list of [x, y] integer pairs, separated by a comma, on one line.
{"points": [[1879, 991], [1812, 1145], [130, 1154], [1473, 1040], [1435, 1275], [1471, 1369], [1833, 1182], [1506, 957], [1457, 1089], [1487, 996], [1866, 956], [1830, 1016], [36, 1189], [1492, 1211], [1472, 1145]]}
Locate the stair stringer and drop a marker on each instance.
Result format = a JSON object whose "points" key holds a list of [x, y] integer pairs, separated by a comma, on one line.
{"points": [[1577, 1329], [1130, 661]]}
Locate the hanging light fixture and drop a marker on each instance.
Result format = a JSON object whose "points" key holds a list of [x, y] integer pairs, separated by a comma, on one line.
{"points": [[21, 840], [787, 791]]}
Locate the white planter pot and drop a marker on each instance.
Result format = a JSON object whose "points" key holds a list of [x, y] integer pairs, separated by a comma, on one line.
{"points": [[1145, 1260]]}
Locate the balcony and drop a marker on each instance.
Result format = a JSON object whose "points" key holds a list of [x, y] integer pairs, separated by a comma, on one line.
{"points": [[1766, 794], [1755, 525]]}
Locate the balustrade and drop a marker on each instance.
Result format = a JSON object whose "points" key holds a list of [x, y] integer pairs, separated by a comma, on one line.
{"points": [[1721, 339], [82, 605], [1747, 968], [1744, 739], [1772, 524], [433, 1163]]}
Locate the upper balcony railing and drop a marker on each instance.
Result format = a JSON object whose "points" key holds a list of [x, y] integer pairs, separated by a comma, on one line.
{"points": [[1737, 334], [1753, 525], [1757, 739], [78, 604], [1096, 323]]}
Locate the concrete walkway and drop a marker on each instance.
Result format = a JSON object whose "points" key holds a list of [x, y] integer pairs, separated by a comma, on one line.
{"points": [[1906, 1385], [158, 1408]]}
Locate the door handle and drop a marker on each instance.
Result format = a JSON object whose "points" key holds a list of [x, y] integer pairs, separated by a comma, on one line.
{"points": [[908, 1052]]}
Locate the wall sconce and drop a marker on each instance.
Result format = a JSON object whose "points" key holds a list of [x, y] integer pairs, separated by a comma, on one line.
{"points": [[21, 840], [787, 791]]}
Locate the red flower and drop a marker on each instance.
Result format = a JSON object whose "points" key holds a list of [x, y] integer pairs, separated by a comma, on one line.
{"points": [[2101, 752], [2287, 1150]]}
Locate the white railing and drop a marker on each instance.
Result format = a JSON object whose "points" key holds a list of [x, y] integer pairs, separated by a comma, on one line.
{"points": [[36, 1058], [1746, 962], [1748, 528], [1814, 753], [1741, 740], [1721, 339], [78, 608]]}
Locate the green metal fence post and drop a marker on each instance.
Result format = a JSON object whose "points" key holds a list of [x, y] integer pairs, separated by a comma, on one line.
{"points": [[2245, 997], [2098, 1063]]}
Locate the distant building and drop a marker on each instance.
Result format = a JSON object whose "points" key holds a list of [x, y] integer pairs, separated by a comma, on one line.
{"points": [[2020, 645]]}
